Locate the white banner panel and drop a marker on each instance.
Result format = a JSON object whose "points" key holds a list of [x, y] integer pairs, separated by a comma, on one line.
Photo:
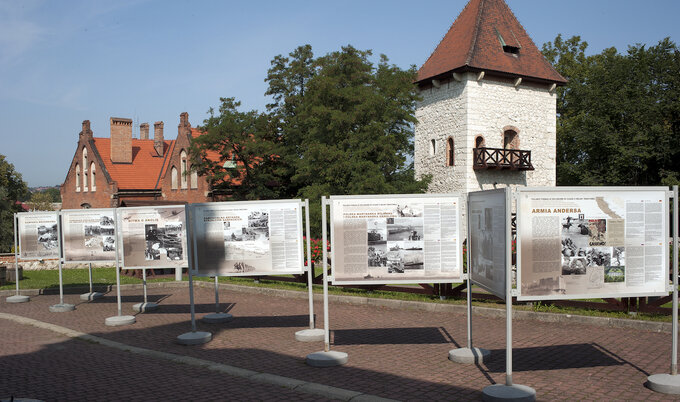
{"points": [[395, 239], [247, 238], [88, 235], [488, 220], [38, 235], [584, 242], [153, 237]]}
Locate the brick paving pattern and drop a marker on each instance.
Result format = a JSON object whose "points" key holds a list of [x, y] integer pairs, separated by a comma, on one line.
{"points": [[399, 354]]}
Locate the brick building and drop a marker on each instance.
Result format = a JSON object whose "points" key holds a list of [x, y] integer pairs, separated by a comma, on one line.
{"points": [[125, 171]]}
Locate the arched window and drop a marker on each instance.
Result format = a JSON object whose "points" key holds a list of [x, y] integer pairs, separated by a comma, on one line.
{"points": [[449, 152], [510, 139], [433, 147], [93, 181], [479, 142], [77, 177], [84, 169], [183, 169], [173, 173], [194, 179]]}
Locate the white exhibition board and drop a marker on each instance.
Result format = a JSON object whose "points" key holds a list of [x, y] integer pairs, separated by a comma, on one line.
{"points": [[488, 242], [584, 242], [38, 235], [247, 238], [152, 237], [391, 239], [88, 235]]}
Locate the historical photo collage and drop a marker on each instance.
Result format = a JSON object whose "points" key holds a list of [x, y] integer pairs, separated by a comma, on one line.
{"points": [[100, 236], [163, 239], [396, 243], [89, 235], [153, 237], [246, 240]]}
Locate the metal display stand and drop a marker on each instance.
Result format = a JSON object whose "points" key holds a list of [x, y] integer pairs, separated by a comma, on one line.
{"points": [[145, 306], [120, 319], [218, 316], [92, 295], [311, 334], [509, 391], [326, 358], [670, 383], [194, 337], [61, 307], [17, 298]]}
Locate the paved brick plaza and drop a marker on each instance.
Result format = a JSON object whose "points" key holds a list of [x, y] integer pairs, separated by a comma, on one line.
{"points": [[398, 354]]}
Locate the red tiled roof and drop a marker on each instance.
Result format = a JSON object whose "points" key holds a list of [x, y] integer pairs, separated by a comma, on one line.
{"points": [[211, 155], [145, 169], [473, 42]]}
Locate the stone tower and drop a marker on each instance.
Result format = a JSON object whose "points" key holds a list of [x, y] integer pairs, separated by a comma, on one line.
{"points": [[487, 115]]}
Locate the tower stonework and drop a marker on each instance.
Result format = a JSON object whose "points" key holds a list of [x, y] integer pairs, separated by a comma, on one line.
{"points": [[487, 117]]}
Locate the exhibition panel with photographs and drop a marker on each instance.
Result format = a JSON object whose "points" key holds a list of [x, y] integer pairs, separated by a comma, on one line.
{"points": [[488, 217], [88, 235], [576, 243], [38, 235], [247, 238], [153, 237], [395, 239]]}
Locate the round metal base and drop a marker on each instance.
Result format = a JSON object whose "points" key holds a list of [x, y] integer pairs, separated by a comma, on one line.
{"points": [[62, 308], [469, 356], [216, 318], [194, 338], [326, 359], [310, 335], [91, 296], [145, 307], [118, 320], [17, 299], [664, 383], [515, 393]]}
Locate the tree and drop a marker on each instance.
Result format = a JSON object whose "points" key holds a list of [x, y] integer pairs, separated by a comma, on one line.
{"points": [[246, 142], [346, 124], [12, 188], [41, 201], [619, 115]]}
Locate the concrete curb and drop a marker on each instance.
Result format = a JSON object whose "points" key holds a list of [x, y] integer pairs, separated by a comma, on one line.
{"points": [[264, 378], [487, 312]]}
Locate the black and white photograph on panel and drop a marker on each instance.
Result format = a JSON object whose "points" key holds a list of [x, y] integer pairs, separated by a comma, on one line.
{"points": [[597, 232], [409, 211], [377, 231], [153, 237], [401, 229]]}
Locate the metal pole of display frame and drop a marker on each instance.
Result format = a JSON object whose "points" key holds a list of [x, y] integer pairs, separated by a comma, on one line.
{"points": [[119, 319], [217, 316], [61, 307], [18, 298], [510, 391], [194, 337], [327, 358], [311, 334], [92, 295], [670, 383], [145, 306]]}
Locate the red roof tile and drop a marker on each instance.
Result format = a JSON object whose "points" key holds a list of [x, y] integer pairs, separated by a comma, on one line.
{"points": [[145, 169], [474, 43]]}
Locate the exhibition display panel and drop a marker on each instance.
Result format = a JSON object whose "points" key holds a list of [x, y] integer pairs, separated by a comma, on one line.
{"points": [[38, 235], [88, 235]]}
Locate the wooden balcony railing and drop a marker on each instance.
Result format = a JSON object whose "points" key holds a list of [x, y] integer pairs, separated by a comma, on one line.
{"points": [[498, 158]]}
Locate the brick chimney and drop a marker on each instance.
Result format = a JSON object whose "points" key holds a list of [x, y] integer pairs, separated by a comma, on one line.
{"points": [[184, 126], [144, 131], [121, 140], [158, 143], [86, 132]]}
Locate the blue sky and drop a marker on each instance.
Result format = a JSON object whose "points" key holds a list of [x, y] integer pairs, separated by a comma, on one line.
{"points": [[62, 62]]}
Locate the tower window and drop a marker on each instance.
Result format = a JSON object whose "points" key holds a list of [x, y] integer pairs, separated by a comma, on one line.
{"points": [[511, 49], [449, 152], [433, 147]]}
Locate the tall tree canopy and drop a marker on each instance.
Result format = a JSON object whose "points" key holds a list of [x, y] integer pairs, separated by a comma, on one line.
{"points": [[12, 188], [619, 115]]}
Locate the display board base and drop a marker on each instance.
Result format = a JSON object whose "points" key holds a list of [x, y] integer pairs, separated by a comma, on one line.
{"points": [[469, 356], [194, 338], [91, 296], [326, 359], [145, 307], [216, 318], [310, 335], [119, 320], [17, 299], [664, 383], [515, 393], [62, 307]]}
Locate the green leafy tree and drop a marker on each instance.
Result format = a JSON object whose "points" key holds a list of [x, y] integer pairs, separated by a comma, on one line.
{"points": [[619, 115], [12, 188], [346, 124], [41, 201], [247, 150]]}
